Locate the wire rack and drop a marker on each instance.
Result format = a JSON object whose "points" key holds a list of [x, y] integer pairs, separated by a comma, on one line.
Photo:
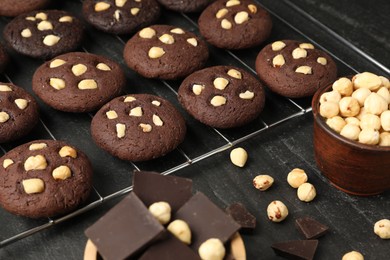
{"points": [[112, 176]]}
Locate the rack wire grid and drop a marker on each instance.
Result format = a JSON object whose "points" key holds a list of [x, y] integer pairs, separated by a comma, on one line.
{"points": [[112, 176]]}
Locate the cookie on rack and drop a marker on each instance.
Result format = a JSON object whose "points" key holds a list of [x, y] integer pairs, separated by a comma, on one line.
{"points": [[18, 112], [294, 69], [78, 82], [185, 6], [138, 127], [165, 52], [3, 59], [222, 96], [121, 16], [44, 34], [13, 8], [44, 178], [235, 24]]}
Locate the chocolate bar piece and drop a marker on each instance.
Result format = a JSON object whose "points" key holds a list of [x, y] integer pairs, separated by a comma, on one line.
{"points": [[296, 249], [168, 249], [152, 187], [310, 228], [124, 230], [206, 220], [242, 216]]}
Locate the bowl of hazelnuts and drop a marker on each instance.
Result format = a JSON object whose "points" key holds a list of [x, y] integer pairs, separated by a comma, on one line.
{"points": [[352, 133]]}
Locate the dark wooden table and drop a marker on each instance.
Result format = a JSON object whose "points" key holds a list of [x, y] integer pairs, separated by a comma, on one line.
{"points": [[355, 32]]}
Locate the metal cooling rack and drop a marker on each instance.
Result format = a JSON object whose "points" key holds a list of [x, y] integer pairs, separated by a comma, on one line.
{"points": [[201, 142]]}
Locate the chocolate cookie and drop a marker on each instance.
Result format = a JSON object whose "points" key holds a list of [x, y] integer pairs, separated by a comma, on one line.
{"points": [[235, 24], [138, 127], [44, 34], [18, 112], [222, 96], [44, 178], [165, 52], [121, 16], [293, 69], [3, 59], [78, 82], [185, 6], [14, 8]]}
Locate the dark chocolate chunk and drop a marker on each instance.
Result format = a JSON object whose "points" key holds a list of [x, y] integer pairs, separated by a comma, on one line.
{"points": [[296, 249], [170, 248], [242, 216], [310, 228], [206, 220], [153, 187], [125, 229]]}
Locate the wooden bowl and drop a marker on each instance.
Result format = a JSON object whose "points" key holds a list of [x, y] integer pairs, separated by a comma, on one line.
{"points": [[352, 167]]}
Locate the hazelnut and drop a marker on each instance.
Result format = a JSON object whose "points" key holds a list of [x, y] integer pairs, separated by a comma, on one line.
{"points": [[225, 24], [239, 156], [79, 69], [277, 211], [384, 139], [221, 13], [218, 101], [350, 131], [220, 83], [331, 96], [137, 111], [296, 177], [375, 104], [197, 89], [21, 103], [232, 3], [157, 120], [385, 120], [37, 146], [366, 80], [87, 84], [7, 162], [147, 33], [241, 17], [161, 211], [263, 182], [62, 172], [361, 94], [156, 52], [56, 63], [343, 86], [369, 136], [51, 40], [33, 185], [306, 192], [298, 53], [382, 228], [352, 120], [385, 82], [120, 130], [37, 162], [67, 151], [167, 39], [103, 66], [370, 121], [349, 106], [361, 113], [384, 92], [278, 45], [353, 255], [180, 230], [212, 249], [278, 61], [336, 123]]}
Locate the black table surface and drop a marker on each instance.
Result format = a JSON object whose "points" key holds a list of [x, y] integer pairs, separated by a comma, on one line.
{"points": [[355, 32]]}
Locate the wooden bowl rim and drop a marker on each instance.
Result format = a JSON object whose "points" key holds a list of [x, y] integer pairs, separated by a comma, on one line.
{"points": [[321, 122]]}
